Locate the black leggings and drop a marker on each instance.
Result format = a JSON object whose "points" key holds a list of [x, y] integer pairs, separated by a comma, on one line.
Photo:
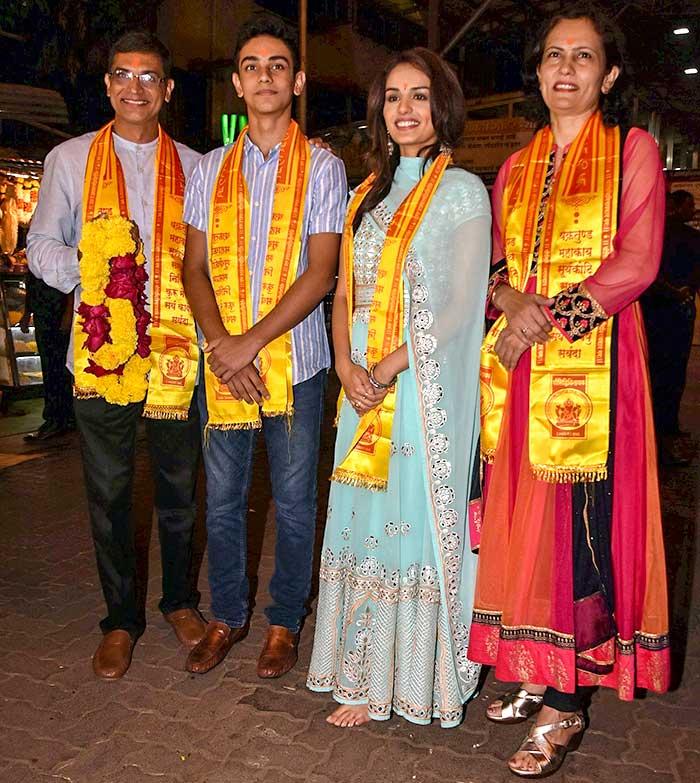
{"points": [[563, 702]]}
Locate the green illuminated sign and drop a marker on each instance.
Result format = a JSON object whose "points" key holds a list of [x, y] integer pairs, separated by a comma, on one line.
{"points": [[231, 126]]}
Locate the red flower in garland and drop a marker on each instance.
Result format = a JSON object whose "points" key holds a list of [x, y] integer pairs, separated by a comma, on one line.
{"points": [[99, 372], [125, 279], [95, 325]]}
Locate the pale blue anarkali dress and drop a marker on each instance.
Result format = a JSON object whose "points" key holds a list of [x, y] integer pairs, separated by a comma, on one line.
{"points": [[397, 574]]}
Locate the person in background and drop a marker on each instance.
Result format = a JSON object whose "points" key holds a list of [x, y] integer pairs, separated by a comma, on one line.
{"points": [[397, 574], [571, 583], [52, 311], [264, 220], [669, 316], [133, 169]]}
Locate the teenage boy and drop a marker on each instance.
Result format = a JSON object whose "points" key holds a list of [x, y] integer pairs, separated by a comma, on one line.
{"points": [[132, 168], [264, 219]]}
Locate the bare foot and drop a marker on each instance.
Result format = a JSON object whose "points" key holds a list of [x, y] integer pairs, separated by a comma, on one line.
{"points": [[349, 715], [494, 709], [523, 760]]}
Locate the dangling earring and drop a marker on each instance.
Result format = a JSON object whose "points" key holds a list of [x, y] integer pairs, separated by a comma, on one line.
{"points": [[445, 149], [389, 144]]}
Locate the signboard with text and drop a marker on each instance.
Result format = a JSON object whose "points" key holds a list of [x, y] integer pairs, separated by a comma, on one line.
{"points": [[487, 143]]}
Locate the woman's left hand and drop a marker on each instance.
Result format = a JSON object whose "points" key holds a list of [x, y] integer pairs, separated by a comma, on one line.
{"points": [[509, 348], [378, 395]]}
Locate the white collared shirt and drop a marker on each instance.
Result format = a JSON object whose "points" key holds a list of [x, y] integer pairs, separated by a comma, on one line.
{"points": [[56, 226]]}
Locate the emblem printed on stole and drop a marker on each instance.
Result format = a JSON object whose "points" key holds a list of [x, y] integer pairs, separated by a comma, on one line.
{"points": [[174, 363], [568, 408]]}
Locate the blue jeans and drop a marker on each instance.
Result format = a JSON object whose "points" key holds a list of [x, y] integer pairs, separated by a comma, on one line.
{"points": [[292, 454]]}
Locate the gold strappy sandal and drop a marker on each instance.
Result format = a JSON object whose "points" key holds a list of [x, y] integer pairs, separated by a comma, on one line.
{"points": [[548, 756], [517, 705]]}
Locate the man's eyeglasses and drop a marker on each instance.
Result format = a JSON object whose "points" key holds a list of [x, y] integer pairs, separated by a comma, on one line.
{"points": [[148, 80]]}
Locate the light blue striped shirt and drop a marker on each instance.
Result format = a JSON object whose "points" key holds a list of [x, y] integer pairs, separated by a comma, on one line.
{"points": [[324, 212]]}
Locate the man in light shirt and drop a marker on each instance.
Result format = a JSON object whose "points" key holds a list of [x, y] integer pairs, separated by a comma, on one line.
{"points": [[264, 223], [138, 84]]}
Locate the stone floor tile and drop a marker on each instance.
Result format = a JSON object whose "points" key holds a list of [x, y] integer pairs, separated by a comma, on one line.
{"points": [[275, 774], [37, 668], [343, 757], [608, 770], [130, 773], [23, 773], [687, 769], [297, 704], [653, 745], [40, 753], [394, 760], [44, 722], [167, 760], [184, 736], [444, 765], [42, 695], [159, 723], [613, 717], [261, 751], [101, 761], [95, 726]]}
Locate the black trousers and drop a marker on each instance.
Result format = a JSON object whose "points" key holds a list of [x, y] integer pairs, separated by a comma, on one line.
{"points": [[669, 327], [52, 345], [108, 440]]}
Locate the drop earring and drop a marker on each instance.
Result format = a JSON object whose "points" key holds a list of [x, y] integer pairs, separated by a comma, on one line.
{"points": [[389, 144]]}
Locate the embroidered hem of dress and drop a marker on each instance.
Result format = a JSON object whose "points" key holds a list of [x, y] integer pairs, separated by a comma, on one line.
{"points": [[541, 655]]}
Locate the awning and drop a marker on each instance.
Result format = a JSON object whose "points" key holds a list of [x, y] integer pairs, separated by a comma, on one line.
{"points": [[35, 106]]}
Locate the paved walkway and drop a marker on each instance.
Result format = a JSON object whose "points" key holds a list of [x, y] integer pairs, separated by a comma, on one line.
{"points": [[58, 723]]}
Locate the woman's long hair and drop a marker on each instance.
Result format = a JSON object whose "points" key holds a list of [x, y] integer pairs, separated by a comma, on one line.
{"points": [[446, 107], [613, 104]]}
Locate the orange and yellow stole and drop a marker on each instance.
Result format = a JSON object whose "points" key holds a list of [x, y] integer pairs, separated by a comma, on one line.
{"points": [[229, 230], [569, 382], [174, 351], [367, 462]]}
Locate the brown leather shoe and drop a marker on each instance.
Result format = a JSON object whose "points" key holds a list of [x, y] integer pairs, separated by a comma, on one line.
{"points": [[188, 625], [218, 639], [113, 657], [279, 654]]}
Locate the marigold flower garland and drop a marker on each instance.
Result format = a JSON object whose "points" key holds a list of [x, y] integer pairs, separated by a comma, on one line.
{"points": [[113, 309]]}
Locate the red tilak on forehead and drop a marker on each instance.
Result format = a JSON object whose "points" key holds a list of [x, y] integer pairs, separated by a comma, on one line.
{"points": [[569, 41]]}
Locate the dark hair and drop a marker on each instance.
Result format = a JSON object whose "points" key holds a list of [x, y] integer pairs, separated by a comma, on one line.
{"points": [[266, 24], [612, 104], [140, 41], [446, 107], [679, 197]]}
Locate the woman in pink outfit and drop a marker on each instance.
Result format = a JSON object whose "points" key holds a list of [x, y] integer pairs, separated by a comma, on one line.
{"points": [[571, 584]]}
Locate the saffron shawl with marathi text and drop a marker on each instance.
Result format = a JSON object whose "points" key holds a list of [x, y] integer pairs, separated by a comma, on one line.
{"points": [[174, 352]]}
